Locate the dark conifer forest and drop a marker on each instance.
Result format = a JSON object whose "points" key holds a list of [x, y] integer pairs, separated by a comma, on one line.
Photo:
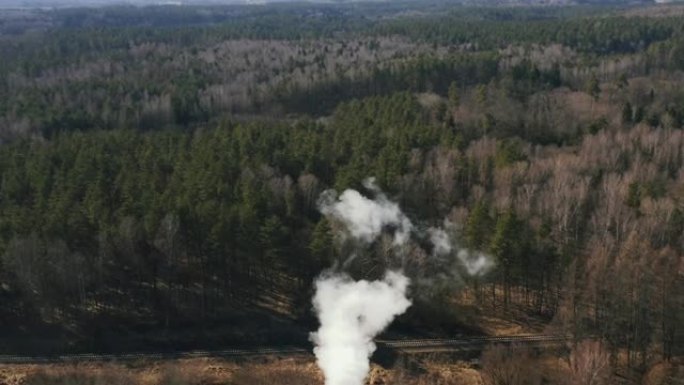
{"points": [[160, 168]]}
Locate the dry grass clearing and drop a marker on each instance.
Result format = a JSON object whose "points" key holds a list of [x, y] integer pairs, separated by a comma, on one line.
{"points": [[178, 372], [517, 366], [274, 371]]}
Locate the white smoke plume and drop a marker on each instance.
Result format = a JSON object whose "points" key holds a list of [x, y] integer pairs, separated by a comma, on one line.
{"points": [[366, 218], [351, 314], [475, 263], [440, 241]]}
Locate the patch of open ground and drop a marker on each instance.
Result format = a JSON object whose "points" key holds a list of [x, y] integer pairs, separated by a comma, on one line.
{"points": [[271, 371], [430, 370]]}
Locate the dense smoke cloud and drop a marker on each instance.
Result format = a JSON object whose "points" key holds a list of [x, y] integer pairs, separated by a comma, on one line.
{"points": [[366, 218], [351, 312]]}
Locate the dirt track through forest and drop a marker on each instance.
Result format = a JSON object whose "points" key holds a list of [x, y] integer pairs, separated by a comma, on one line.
{"points": [[403, 346]]}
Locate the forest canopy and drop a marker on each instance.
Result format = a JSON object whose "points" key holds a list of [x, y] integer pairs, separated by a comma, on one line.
{"points": [[160, 166]]}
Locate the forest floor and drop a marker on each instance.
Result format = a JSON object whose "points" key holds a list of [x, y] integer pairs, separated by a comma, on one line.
{"points": [[515, 319], [112, 335]]}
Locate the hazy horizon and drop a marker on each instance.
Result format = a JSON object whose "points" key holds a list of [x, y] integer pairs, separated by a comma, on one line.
{"points": [[90, 3]]}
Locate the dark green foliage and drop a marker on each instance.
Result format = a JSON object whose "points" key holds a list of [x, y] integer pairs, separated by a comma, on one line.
{"points": [[508, 152], [599, 35], [505, 244], [425, 73], [653, 120], [525, 78], [627, 113], [510, 248], [322, 245], [639, 114], [677, 55], [634, 195], [453, 95], [598, 125], [479, 226], [213, 213], [593, 87]]}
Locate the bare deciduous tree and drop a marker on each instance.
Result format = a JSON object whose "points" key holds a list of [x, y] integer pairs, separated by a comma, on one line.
{"points": [[509, 366], [589, 364]]}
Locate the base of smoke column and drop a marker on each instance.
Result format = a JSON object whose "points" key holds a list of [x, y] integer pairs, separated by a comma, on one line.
{"points": [[391, 359], [385, 356]]}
